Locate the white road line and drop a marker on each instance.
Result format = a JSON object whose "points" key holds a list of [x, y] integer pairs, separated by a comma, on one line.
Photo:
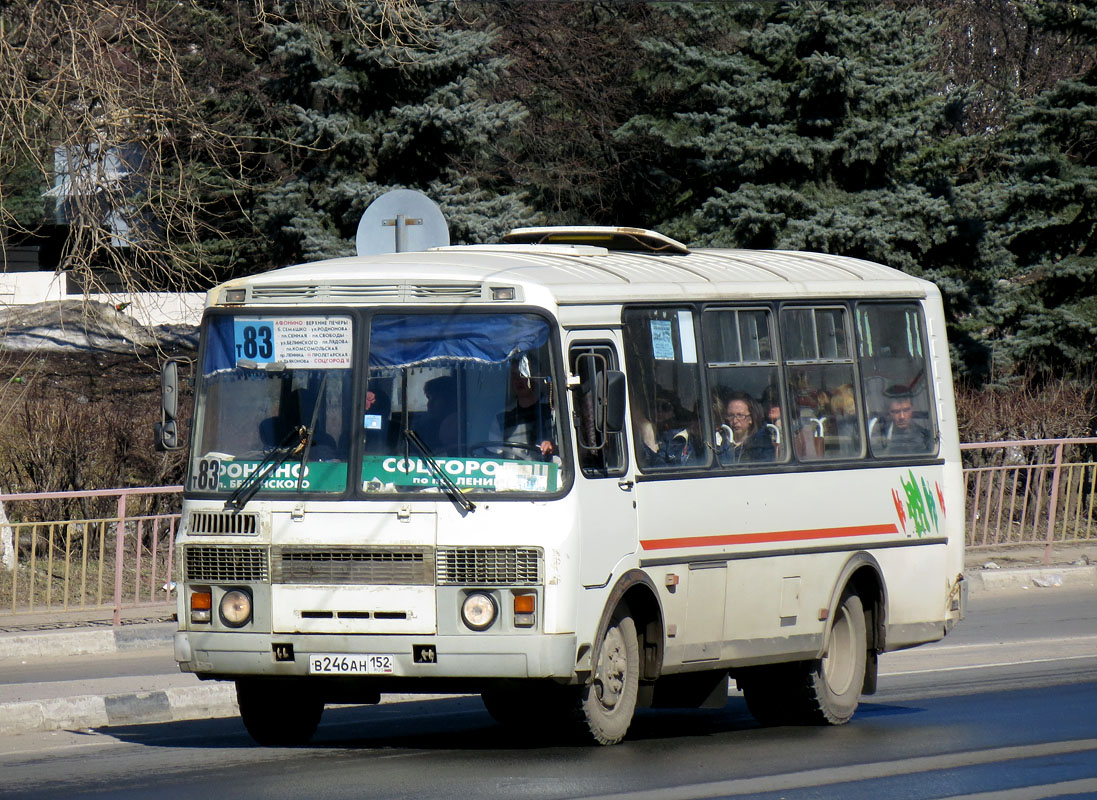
{"points": [[856, 773], [1087, 785], [889, 674]]}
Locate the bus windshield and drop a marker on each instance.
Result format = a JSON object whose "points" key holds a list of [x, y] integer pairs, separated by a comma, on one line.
{"points": [[461, 399], [446, 402], [276, 391]]}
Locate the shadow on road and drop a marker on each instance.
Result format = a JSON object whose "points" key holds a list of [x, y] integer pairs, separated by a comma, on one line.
{"points": [[457, 723]]}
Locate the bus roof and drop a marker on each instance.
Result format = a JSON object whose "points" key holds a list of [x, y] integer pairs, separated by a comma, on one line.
{"points": [[570, 274]]}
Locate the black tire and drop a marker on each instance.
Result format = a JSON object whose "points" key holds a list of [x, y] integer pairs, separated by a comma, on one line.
{"points": [[607, 703], [278, 713], [530, 703], [824, 691], [768, 693], [834, 682]]}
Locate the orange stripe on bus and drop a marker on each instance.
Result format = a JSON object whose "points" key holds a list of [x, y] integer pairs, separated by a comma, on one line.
{"points": [[772, 536]]}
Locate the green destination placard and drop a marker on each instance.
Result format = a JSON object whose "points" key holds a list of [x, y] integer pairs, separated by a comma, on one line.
{"points": [[379, 473], [319, 476]]}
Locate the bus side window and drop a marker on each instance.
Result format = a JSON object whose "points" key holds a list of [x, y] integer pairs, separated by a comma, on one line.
{"points": [[661, 354], [899, 398], [822, 383], [601, 453], [749, 427]]}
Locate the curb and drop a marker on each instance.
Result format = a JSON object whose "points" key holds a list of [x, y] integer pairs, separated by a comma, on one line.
{"points": [[93, 711], [1037, 577], [52, 644]]}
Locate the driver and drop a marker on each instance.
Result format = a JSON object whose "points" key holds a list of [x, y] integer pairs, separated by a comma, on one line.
{"points": [[529, 420]]}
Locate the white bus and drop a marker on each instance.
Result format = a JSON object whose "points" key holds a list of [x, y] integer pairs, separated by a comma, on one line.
{"points": [[580, 472]]}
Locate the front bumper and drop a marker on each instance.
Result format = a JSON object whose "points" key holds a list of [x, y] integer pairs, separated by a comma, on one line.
{"points": [[228, 655]]}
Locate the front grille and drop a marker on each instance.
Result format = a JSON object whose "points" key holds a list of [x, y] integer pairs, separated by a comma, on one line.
{"points": [[215, 522], [370, 566], [510, 566], [212, 563]]}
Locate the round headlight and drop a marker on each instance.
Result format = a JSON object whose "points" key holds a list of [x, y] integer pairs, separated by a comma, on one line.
{"points": [[235, 608], [478, 611]]}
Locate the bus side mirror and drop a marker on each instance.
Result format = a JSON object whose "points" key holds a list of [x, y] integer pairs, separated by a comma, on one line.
{"points": [[166, 431], [615, 401]]}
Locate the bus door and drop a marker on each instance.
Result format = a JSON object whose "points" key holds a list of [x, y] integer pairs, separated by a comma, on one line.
{"points": [[603, 487]]}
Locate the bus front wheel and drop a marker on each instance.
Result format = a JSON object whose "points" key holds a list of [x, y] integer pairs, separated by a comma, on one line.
{"points": [[608, 702], [276, 714]]}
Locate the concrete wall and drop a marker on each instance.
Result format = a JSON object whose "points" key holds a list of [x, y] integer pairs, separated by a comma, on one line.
{"points": [[147, 308]]}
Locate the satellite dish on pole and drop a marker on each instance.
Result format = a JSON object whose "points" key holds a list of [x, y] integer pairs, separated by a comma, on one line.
{"points": [[399, 221]]}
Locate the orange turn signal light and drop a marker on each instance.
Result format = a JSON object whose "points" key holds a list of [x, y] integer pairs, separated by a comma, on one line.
{"points": [[201, 606]]}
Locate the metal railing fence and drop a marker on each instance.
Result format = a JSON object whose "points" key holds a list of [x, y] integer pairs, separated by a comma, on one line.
{"points": [[117, 561], [1018, 493], [1030, 492]]}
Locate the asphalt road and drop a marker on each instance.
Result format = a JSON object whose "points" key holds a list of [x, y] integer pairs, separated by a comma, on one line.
{"points": [[1007, 705]]}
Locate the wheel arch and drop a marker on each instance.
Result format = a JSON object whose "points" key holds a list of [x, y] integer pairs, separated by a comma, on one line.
{"points": [[636, 592], [863, 574]]}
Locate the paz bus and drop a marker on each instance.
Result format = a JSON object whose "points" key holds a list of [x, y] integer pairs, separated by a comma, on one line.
{"points": [[579, 472]]}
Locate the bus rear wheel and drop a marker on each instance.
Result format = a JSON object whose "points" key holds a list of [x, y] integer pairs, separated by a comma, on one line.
{"points": [[835, 680], [277, 714], [823, 691]]}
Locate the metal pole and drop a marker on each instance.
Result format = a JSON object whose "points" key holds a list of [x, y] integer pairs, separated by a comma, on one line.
{"points": [[1054, 503], [119, 539], [401, 234]]}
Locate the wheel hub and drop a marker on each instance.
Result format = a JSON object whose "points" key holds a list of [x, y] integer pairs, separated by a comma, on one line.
{"points": [[612, 667]]}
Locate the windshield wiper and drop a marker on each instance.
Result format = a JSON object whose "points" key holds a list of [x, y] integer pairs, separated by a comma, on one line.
{"points": [[293, 443], [453, 492]]}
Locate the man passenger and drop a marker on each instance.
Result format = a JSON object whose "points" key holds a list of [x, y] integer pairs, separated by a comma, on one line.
{"points": [[902, 434]]}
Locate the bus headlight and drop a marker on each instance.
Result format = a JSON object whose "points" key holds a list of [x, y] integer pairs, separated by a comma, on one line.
{"points": [[235, 608], [478, 611]]}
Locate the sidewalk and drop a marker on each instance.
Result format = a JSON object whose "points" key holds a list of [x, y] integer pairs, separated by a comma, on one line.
{"points": [[91, 702], [169, 695]]}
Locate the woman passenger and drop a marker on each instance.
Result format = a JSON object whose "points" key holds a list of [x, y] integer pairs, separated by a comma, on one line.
{"points": [[750, 440]]}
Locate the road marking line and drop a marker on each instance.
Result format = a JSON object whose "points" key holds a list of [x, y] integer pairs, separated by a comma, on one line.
{"points": [[854, 773], [1077, 787], [984, 666]]}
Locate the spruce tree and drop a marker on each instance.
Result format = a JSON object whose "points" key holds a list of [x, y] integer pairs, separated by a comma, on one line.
{"points": [[1045, 185], [364, 117]]}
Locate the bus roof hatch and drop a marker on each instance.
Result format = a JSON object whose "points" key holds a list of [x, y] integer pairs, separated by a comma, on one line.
{"points": [[631, 239]]}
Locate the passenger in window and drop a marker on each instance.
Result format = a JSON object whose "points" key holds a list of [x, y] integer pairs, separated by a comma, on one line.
{"points": [[375, 421], [901, 434], [438, 426], [773, 418], [843, 417], [668, 442], [809, 423], [744, 437]]}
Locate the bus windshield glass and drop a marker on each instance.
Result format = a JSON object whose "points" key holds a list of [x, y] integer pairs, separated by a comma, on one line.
{"points": [[460, 401], [446, 402], [277, 392]]}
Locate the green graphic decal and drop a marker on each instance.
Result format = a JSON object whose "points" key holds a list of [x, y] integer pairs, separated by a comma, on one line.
{"points": [[319, 476], [920, 505], [391, 473]]}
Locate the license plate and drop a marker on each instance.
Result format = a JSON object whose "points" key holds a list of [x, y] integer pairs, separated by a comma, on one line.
{"points": [[373, 664]]}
